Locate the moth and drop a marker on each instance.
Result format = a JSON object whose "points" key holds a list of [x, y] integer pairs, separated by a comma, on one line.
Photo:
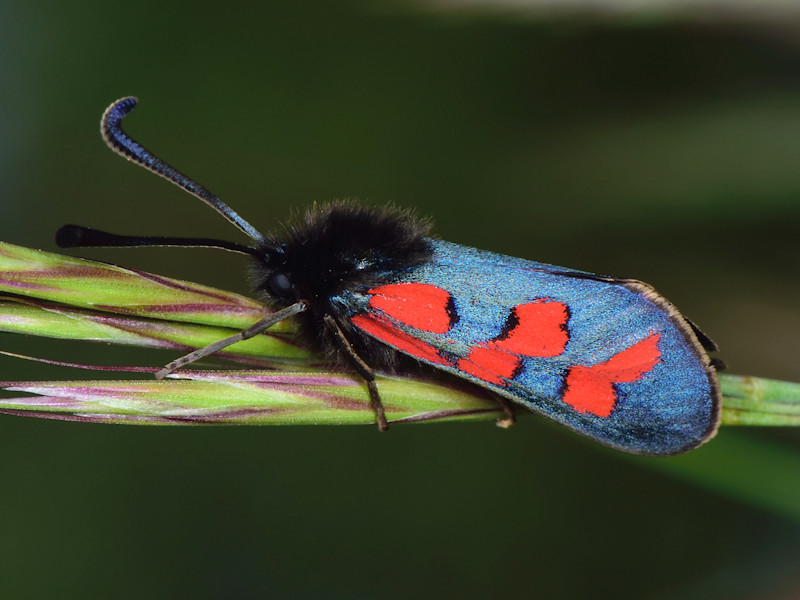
{"points": [[608, 358]]}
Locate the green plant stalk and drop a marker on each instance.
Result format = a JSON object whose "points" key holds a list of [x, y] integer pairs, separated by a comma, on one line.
{"points": [[244, 398], [104, 287], [756, 401], [55, 296], [31, 316]]}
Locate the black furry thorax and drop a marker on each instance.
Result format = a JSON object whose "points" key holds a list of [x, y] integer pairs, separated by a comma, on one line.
{"points": [[336, 247]]}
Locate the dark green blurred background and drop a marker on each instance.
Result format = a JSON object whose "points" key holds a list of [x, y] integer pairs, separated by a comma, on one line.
{"points": [[662, 149]]}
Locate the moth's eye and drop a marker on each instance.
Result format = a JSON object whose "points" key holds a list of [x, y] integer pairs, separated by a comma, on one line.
{"points": [[279, 285]]}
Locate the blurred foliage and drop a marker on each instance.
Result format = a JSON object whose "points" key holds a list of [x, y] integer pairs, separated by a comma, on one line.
{"points": [[659, 150]]}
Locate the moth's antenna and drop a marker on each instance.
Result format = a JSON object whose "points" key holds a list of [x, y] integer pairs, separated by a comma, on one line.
{"points": [[124, 145], [78, 236]]}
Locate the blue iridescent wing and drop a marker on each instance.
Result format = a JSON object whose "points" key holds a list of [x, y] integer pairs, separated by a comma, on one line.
{"points": [[607, 358]]}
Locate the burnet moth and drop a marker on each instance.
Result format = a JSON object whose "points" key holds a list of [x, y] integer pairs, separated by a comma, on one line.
{"points": [[608, 358]]}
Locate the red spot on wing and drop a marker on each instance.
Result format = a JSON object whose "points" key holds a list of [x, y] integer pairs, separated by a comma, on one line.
{"points": [[489, 365], [536, 329], [385, 331], [591, 389], [540, 330], [418, 305]]}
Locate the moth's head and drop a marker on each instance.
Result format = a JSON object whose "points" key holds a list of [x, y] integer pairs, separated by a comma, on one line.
{"points": [[284, 273], [272, 275]]}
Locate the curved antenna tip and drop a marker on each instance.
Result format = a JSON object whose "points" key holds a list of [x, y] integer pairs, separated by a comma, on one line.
{"points": [[113, 115], [126, 103], [124, 145]]}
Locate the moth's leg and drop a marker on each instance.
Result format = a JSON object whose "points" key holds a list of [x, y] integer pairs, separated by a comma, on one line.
{"points": [[508, 409], [361, 368], [245, 334]]}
